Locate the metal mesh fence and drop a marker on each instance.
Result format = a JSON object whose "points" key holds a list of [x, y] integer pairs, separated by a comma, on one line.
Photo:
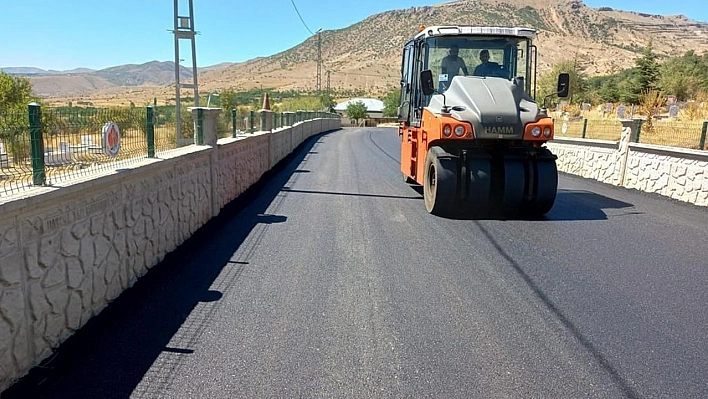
{"points": [[44, 146], [231, 123], [15, 157], [73, 143], [599, 129], [74, 140], [666, 132], [571, 129], [165, 125], [669, 133], [604, 129]]}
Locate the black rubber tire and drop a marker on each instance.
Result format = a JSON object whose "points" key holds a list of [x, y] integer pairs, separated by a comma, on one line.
{"points": [[479, 187], [546, 184], [439, 183], [514, 186]]}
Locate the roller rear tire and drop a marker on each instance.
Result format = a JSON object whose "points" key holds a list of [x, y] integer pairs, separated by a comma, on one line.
{"points": [[439, 183]]}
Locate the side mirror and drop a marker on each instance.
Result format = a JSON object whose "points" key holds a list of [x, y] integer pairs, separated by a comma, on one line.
{"points": [[563, 84], [426, 82]]}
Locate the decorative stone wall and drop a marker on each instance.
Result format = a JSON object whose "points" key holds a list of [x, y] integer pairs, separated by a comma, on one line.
{"points": [[590, 159], [675, 173], [681, 174], [67, 251]]}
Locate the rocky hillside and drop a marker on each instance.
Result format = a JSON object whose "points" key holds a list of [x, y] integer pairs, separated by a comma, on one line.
{"points": [[366, 55]]}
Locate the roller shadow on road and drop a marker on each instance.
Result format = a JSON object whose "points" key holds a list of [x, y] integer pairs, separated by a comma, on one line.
{"points": [[570, 205]]}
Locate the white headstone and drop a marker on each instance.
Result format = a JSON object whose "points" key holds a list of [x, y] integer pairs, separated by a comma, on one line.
{"points": [[585, 107], [609, 107]]}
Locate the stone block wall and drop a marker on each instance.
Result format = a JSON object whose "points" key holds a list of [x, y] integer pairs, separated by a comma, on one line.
{"points": [[67, 251], [675, 173], [590, 159], [678, 173]]}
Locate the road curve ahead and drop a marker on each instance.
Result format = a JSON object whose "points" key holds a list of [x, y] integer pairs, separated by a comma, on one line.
{"points": [[333, 281]]}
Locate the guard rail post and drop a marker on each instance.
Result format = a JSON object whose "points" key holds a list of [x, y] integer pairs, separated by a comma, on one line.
{"points": [[150, 130], [39, 176], [199, 134], [233, 123]]}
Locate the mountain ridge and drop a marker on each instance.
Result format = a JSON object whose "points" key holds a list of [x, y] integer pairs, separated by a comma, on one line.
{"points": [[365, 56]]}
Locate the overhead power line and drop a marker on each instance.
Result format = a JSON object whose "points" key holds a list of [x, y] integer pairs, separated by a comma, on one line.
{"points": [[301, 20]]}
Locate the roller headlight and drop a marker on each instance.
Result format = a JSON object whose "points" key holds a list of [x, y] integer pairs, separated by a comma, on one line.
{"points": [[547, 132], [459, 131], [447, 130], [536, 132]]}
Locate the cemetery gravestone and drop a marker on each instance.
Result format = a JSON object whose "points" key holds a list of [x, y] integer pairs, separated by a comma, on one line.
{"points": [[673, 111], [621, 110]]}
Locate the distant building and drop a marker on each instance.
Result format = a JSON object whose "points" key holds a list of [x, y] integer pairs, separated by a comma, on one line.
{"points": [[374, 107]]}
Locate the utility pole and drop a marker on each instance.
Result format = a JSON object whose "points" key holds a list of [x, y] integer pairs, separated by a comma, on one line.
{"points": [[184, 29], [319, 61], [328, 73]]}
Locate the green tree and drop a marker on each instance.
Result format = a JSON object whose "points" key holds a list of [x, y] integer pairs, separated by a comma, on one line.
{"points": [[328, 102], [357, 110], [15, 95], [391, 102], [15, 92], [229, 100], [305, 103], [685, 76], [648, 70], [618, 87]]}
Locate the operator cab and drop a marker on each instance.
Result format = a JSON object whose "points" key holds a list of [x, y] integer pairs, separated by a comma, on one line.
{"points": [[464, 52]]}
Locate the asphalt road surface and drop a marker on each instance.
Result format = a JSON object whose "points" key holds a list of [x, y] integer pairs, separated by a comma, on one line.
{"points": [[330, 279]]}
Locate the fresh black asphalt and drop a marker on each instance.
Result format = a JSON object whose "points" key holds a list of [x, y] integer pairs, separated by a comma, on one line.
{"points": [[329, 279]]}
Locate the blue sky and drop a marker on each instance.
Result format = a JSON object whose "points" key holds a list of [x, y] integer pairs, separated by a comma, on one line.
{"points": [[67, 34]]}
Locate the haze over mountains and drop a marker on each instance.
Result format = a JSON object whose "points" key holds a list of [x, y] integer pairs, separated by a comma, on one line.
{"points": [[366, 55]]}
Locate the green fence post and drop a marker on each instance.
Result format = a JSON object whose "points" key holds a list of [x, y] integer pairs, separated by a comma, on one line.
{"points": [[200, 126], [585, 126], [702, 143], [639, 130], [233, 123], [39, 176], [151, 131], [252, 120]]}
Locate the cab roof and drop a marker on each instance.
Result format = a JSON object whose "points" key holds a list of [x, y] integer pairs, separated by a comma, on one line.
{"points": [[454, 30]]}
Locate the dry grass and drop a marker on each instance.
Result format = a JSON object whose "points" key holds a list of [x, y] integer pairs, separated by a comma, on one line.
{"points": [[682, 132]]}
